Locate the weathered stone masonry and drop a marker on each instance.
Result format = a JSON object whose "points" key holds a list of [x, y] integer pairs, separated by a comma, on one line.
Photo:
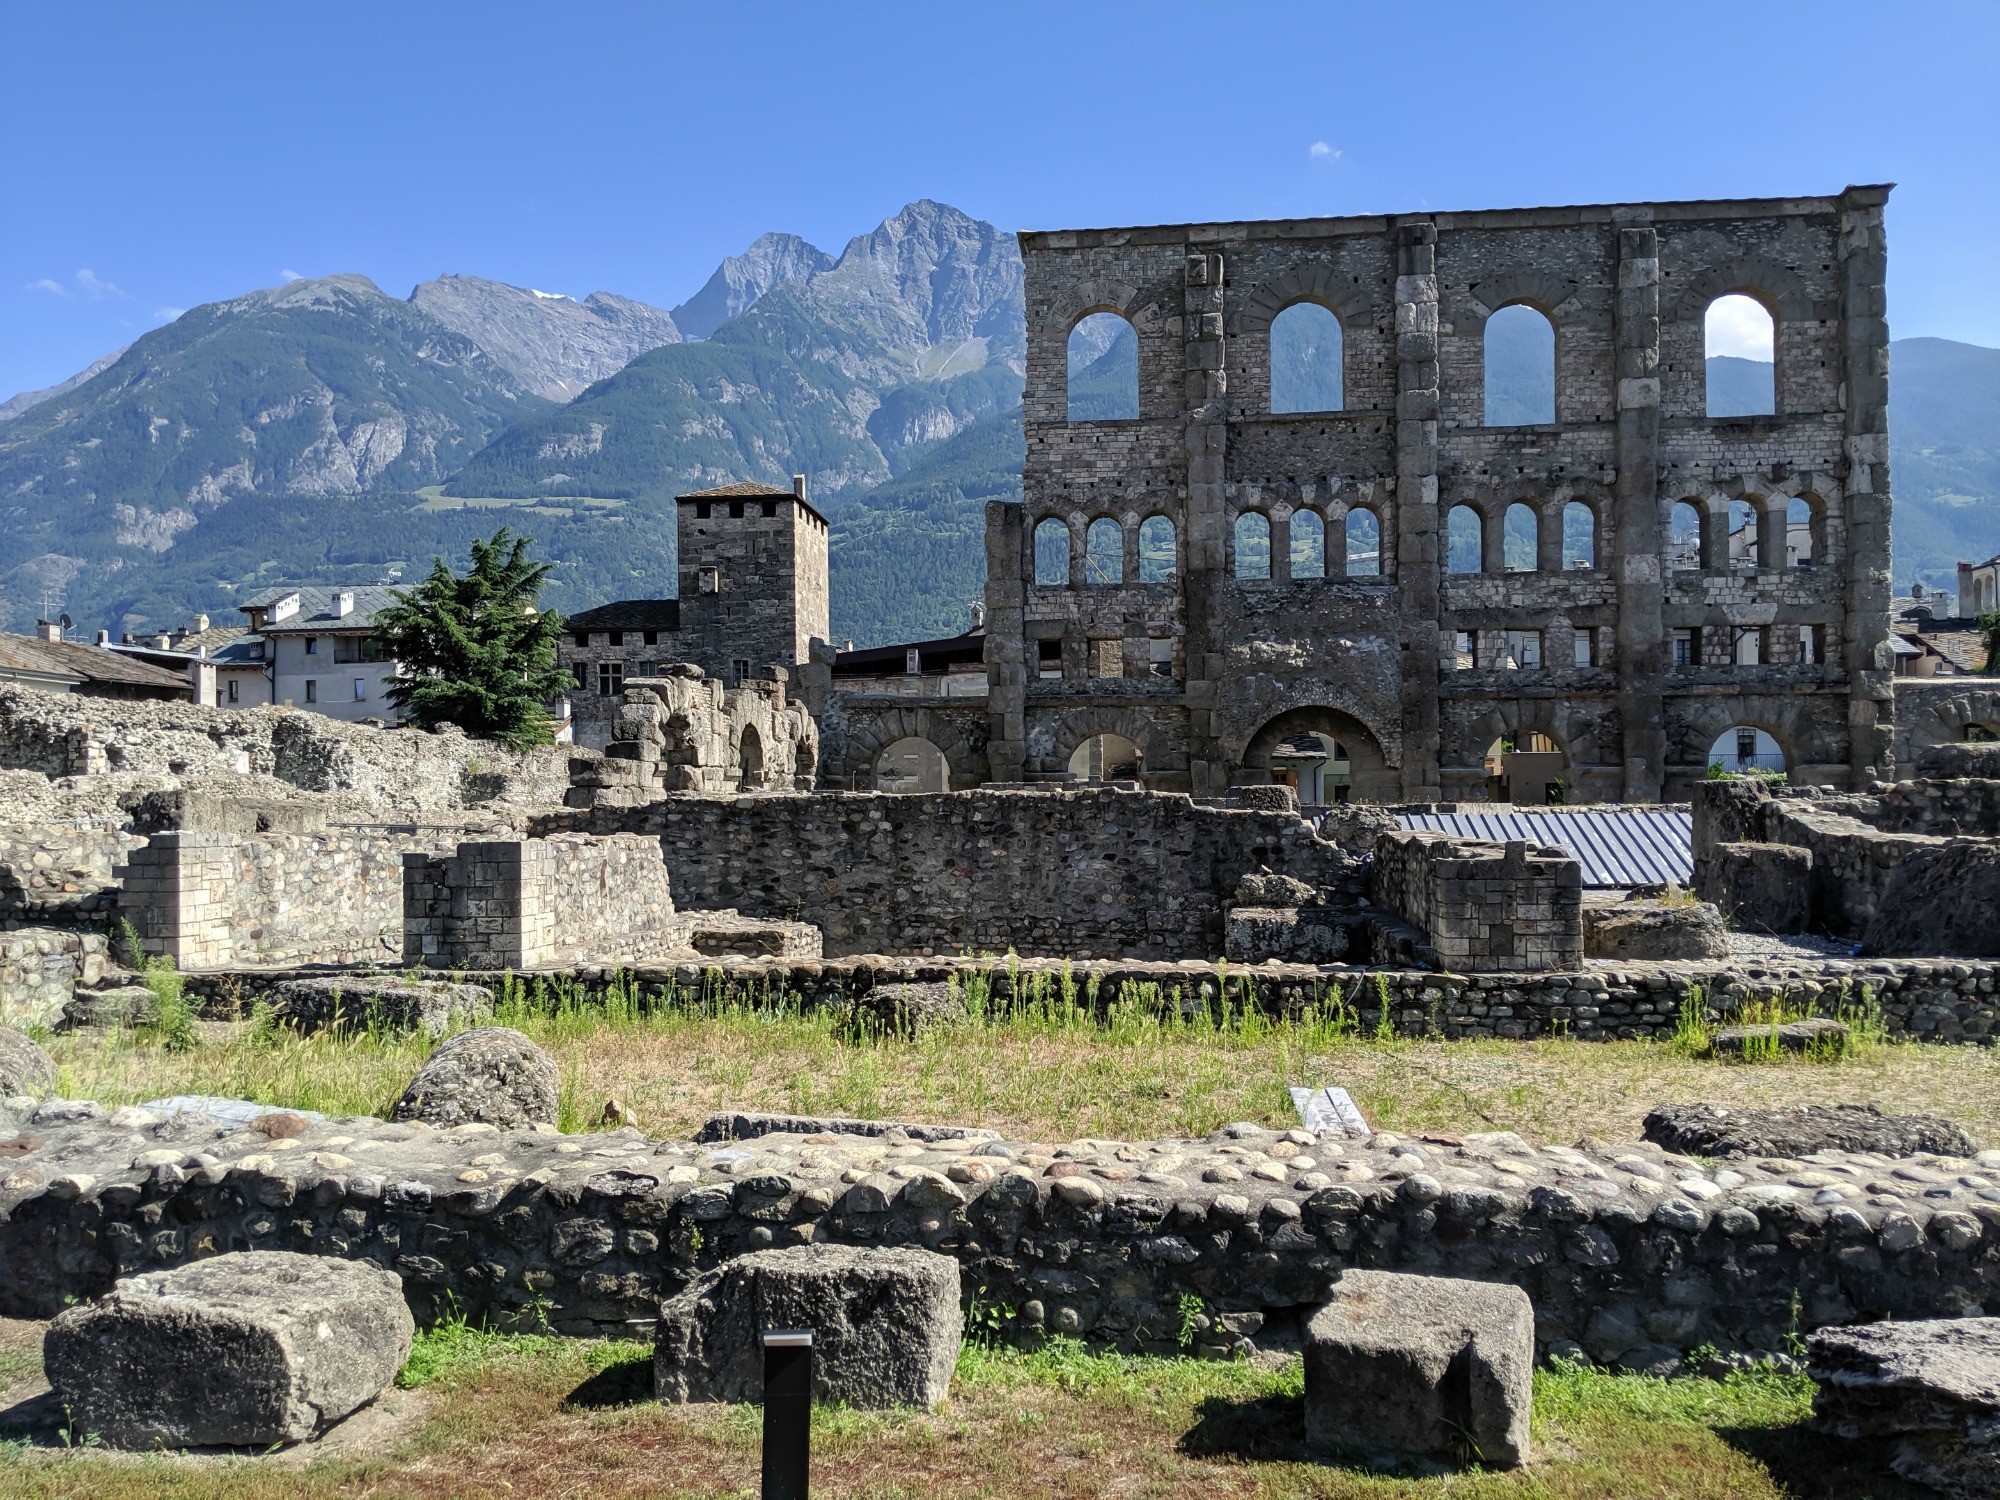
{"points": [[1374, 661]]}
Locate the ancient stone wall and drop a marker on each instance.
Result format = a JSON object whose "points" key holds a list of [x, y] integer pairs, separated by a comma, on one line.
{"points": [[537, 903], [213, 900], [1506, 908], [60, 872], [1081, 873], [1630, 1251], [1307, 584], [685, 732], [40, 968], [1942, 711]]}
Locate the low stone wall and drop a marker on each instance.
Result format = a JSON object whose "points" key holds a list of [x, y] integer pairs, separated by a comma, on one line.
{"points": [[1063, 873], [536, 903], [211, 900], [40, 968], [1494, 908], [1911, 999], [1633, 1253], [58, 872]]}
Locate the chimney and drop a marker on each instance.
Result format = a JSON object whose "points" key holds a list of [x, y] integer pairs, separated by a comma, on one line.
{"points": [[200, 624], [343, 604], [799, 486], [103, 637], [283, 609], [48, 630], [978, 616]]}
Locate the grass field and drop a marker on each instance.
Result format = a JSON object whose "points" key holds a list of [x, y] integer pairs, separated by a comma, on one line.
{"points": [[1050, 1072], [534, 1417]]}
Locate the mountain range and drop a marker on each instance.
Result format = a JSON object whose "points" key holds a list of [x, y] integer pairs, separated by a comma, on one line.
{"points": [[326, 431]]}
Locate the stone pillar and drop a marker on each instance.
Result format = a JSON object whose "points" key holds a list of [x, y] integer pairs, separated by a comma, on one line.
{"points": [[1009, 564], [177, 896], [1871, 703], [1642, 638], [1418, 560], [1205, 390]]}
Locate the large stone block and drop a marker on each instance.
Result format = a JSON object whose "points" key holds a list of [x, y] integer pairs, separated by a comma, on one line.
{"points": [[1931, 1386], [1802, 1130], [1765, 887], [249, 1349], [1428, 1368], [1647, 930], [886, 1326], [1941, 900], [385, 1002], [491, 1075], [25, 1069], [1977, 760]]}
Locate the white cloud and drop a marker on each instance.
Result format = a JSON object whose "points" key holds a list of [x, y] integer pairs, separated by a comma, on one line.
{"points": [[96, 287], [1321, 151], [288, 274], [167, 314], [1739, 326], [47, 284]]}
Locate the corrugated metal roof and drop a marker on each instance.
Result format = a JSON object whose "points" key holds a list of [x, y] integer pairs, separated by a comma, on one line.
{"points": [[1616, 848]]}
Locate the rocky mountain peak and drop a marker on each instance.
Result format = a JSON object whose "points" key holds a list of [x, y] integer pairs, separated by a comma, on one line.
{"points": [[739, 281], [556, 345]]}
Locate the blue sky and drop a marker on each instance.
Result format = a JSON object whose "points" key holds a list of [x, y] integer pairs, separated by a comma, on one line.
{"points": [[161, 156]]}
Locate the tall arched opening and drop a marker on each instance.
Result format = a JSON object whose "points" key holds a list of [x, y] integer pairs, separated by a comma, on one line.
{"points": [[1326, 753], [912, 764]]}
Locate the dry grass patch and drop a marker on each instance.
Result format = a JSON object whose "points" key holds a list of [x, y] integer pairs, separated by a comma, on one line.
{"points": [[1056, 1072], [560, 1418]]}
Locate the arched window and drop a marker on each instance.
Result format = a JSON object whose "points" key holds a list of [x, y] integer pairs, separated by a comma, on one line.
{"points": [[1465, 544], [1156, 550], [1804, 536], [1740, 339], [1107, 757], [1103, 369], [1744, 747], [1684, 539], [1052, 554], [1520, 367], [1745, 546], [912, 765], [750, 759], [1253, 546], [1522, 538], [1103, 553], [1364, 544], [1305, 359], [1308, 545], [1579, 535]]}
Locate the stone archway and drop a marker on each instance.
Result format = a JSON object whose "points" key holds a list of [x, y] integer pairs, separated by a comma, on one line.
{"points": [[870, 732], [1370, 777]]}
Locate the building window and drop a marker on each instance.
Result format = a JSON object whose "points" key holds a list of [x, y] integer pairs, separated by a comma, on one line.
{"points": [[770, 507], [1749, 650], [701, 510], [1812, 645], [1162, 649], [361, 690], [1687, 648], [312, 645], [583, 639], [616, 638], [1464, 651], [741, 671], [1107, 658], [1585, 649], [312, 691], [581, 672], [232, 690], [610, 678], [736, 510], [650, 637], [1051, 660], [1524, 650], [708, 581], [913, 663]]}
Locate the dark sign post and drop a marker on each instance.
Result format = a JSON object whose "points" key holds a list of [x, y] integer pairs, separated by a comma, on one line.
{"points": [[788, 1366]]}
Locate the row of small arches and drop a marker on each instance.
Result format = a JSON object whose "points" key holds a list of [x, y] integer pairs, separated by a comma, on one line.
{"points": [[1349, 546], [1308, 375], [1510, 541]]}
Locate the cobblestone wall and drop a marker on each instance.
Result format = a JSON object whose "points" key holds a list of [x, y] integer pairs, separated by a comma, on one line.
{"points": [[1633, 1253], [40, 968], [55, 872], [1086, 873]]}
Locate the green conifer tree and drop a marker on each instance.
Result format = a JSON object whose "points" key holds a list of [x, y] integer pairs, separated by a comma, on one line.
{"points": [[475, 651]]}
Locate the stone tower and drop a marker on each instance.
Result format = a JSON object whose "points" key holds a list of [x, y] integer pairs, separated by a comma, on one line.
{"points": [[753, 577]]}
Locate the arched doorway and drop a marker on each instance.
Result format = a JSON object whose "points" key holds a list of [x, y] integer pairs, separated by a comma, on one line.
{"points": [[1317, 766], [1324, 751], [749, 759], [912, 764], [1745, 748], [1528, 770], [1107, 757]]}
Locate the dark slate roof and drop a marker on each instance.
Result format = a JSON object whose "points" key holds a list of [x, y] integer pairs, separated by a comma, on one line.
{"points": [[629, 614], [316, 616], [27, 653], [933, 656], [1616, 848], [748, 489]]}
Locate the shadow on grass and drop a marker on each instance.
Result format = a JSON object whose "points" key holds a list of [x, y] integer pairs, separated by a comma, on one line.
{"points": [[1269, 1429], [627, 1383], [1810, 1465]]}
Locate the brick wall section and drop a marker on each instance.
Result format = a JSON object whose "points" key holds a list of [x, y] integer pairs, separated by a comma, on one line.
{"points": [[1076, 874], [536, 903], [1489, 908]]}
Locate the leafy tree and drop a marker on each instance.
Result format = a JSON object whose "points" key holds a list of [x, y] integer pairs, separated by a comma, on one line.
{"points": [[477, 652], [1989, 626]]}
